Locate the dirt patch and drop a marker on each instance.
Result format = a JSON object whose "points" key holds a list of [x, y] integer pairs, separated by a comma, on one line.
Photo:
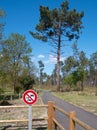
{"points": [[5, 103]]}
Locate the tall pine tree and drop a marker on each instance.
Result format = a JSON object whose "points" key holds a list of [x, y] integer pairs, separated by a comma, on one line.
{"points": [[56, 26]]}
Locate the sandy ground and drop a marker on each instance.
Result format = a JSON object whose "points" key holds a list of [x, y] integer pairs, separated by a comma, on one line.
{"points": [[21, 113]]}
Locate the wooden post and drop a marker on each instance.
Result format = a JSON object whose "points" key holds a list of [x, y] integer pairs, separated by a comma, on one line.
{"points": [[51, 115], [72, 123]]}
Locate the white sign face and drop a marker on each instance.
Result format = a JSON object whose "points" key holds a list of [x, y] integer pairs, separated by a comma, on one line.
{"points": [[30, 97]]}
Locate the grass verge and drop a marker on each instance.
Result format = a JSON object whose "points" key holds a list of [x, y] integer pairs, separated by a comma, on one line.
{"points": [[82, 99]]}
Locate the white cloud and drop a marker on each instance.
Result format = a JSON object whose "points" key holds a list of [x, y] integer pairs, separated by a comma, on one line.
{"points": [[53, 59], [41, 56], [62, 58], [46, 62]]}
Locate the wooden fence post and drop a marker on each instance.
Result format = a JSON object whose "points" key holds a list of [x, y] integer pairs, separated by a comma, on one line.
{"points": [[72, 123], [51, 115]]}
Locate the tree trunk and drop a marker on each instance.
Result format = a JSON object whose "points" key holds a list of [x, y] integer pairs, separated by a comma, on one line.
{"points": [[58, 58], [58, 70], [82, 85]]}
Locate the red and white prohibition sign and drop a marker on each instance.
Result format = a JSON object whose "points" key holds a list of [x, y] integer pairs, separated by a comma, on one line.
{"points": [[30, 97]]}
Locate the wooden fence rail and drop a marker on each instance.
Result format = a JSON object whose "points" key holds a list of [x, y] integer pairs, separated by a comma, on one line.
{"points": [[72, 119], [52, 122]]}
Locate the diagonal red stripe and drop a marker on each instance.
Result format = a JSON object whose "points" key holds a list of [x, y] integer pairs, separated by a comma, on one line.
{"points": [[30, 97]]}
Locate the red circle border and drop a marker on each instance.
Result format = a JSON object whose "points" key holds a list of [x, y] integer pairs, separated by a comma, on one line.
{"points": [[25, 93]]}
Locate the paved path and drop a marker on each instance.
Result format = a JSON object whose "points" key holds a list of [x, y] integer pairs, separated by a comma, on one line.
{"points": [[83, 115]]}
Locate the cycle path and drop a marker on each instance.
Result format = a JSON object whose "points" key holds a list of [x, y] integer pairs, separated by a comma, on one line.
{"points": [[85, 116]]}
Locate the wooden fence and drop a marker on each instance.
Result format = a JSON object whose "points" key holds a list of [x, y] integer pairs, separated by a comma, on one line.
{"points": [[52, 122], [71, 115]]}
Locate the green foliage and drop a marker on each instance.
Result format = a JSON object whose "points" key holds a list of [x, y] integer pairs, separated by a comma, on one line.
{"points": [[76, 66], [93, 60], [93, 69], [27, 82], [68, 80], [78, 75], [75, 77], [69, 20], [1, 90], [79, 71], [69, 64], [15, 60], [2, 15], [18, 89]]}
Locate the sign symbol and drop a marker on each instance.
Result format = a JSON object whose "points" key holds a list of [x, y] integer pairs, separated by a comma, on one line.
{"points": [[29, 97]]}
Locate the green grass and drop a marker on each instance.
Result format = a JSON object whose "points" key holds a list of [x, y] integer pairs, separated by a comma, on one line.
{"points": [[83, 99]]}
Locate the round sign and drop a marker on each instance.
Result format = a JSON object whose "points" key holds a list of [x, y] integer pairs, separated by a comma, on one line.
{"points": [[30, 97]]}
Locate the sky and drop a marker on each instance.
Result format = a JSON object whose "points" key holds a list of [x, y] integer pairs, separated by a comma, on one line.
{"points": [[23, 15]]}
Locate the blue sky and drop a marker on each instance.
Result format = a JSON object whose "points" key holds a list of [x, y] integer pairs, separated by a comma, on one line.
{"points": [[23, 15]]}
